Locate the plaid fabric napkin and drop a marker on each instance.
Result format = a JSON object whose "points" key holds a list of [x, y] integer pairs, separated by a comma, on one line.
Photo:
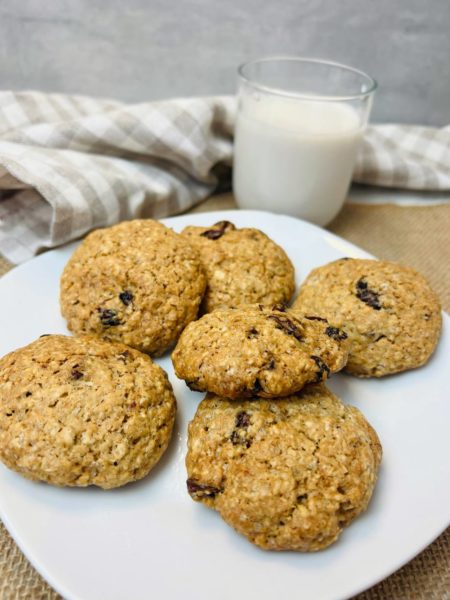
{"points": [[405, 156], [69, 164]]}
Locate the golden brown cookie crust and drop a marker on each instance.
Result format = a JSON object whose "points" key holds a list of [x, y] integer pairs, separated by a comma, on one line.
{"points": [[257, 351], [82, 411], [389, 312], [243, 266], [138, 282], [288, 474]]}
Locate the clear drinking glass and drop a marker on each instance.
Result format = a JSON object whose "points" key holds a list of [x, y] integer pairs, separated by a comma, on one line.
{"points": [[298, 127]]}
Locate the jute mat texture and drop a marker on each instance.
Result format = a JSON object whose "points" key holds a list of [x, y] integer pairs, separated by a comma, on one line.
{"points": [[416, 236]]}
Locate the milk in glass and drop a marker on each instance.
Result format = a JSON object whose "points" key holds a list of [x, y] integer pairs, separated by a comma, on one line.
{"points": [[294, 156]]}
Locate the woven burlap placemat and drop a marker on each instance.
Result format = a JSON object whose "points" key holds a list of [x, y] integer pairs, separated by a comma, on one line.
{"points": [[417, 236]]}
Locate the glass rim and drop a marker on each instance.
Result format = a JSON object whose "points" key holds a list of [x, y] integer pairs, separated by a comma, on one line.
{"points": [[319, 61]]}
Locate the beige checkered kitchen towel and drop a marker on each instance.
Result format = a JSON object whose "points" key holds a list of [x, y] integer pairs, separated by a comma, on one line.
{"points": [[69, 164], [405, 156]]}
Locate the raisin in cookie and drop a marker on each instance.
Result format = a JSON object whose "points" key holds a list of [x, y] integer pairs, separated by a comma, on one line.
{"points": [[243, 266], [389, 312], [137, 282], [82, 411], [257, 351], [288, 474]]}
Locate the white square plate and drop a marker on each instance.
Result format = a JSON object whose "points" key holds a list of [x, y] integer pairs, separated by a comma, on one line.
{"points": [[149, 540]]}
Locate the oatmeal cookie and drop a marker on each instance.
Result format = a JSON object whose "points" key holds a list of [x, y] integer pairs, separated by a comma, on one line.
{"points": [[257, 351], [137, 282], [82, 411], [289, 474], [243, 266], [391, 315]]}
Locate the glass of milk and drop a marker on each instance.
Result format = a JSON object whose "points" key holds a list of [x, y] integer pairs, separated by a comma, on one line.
{"points": [[298, 127]]}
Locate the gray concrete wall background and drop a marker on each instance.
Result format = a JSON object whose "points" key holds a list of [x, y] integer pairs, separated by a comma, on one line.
{"points": [[137, 50]]}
